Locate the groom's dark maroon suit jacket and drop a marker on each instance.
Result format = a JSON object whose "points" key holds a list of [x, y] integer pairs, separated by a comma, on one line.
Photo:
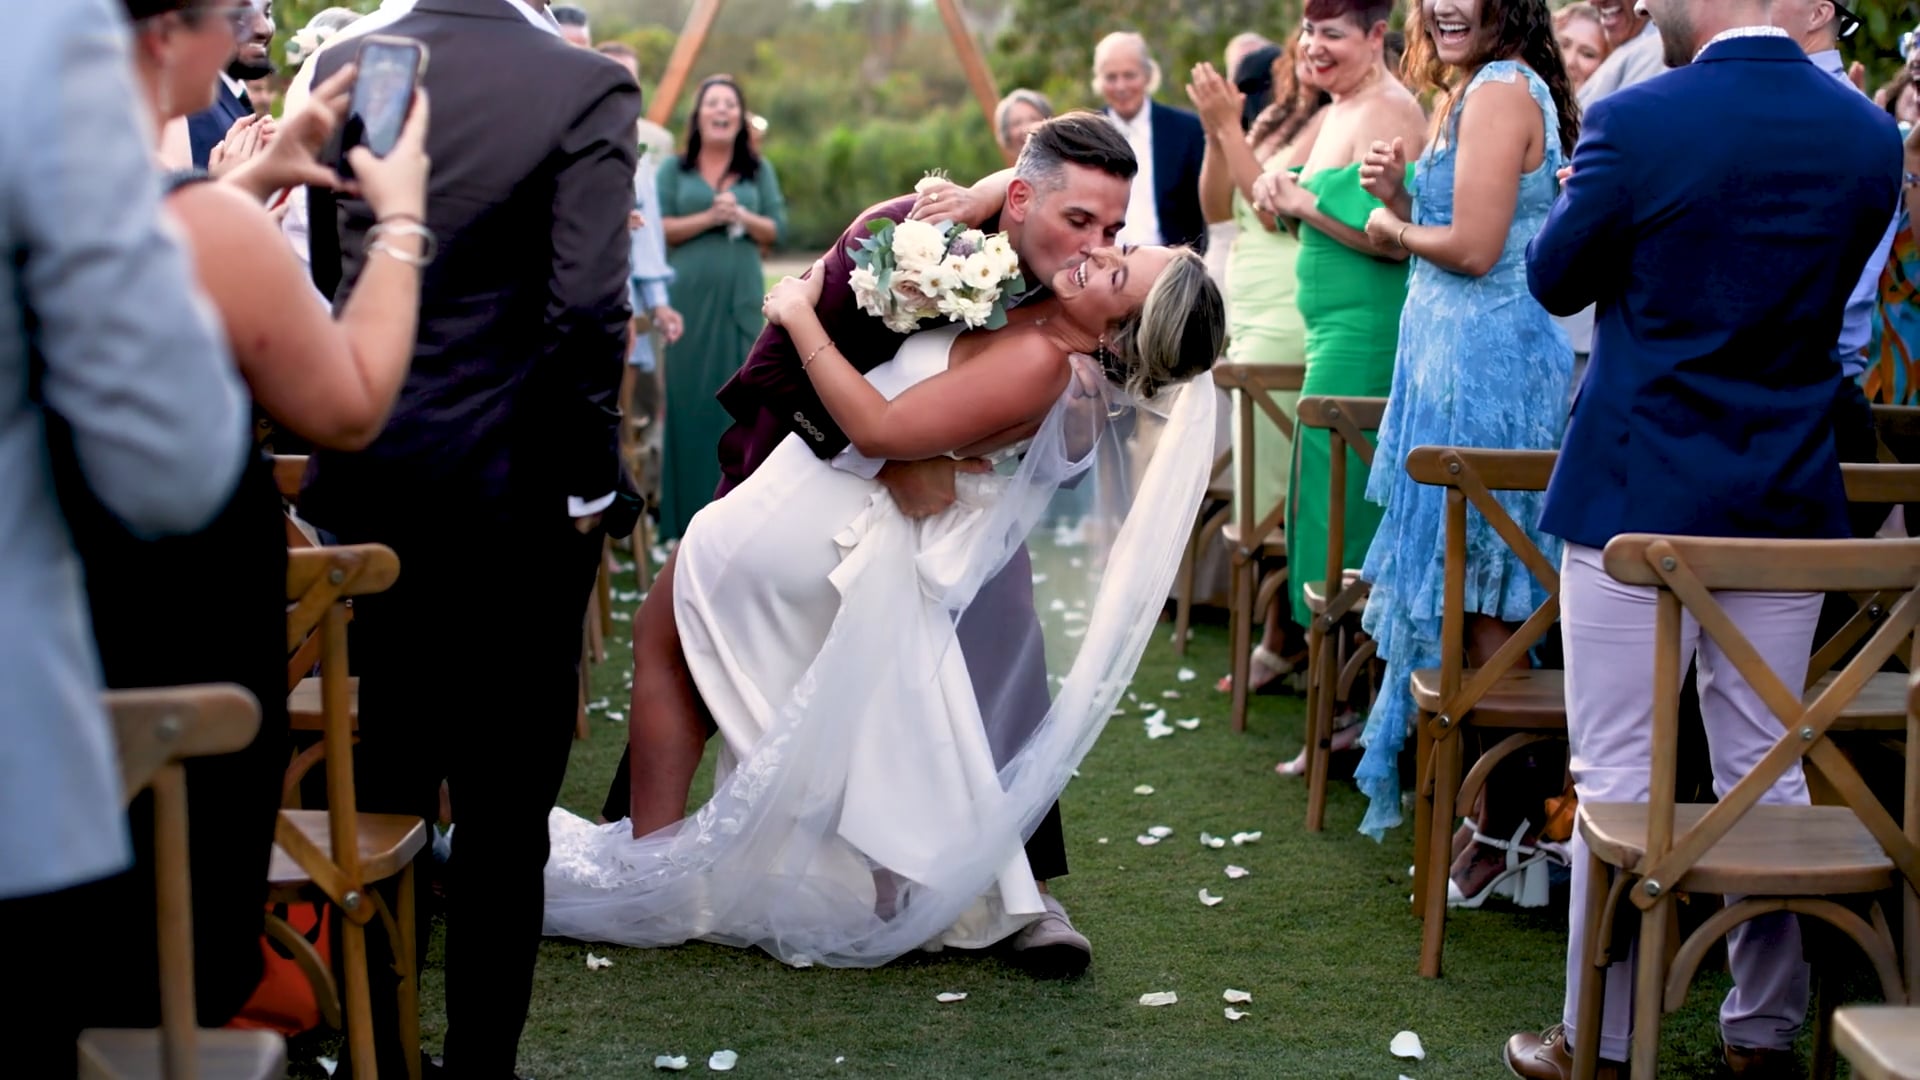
{"points": [[770, 396]]}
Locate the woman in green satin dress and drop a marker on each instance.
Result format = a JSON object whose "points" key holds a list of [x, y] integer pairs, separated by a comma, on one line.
{"points": [[1349, 292], [720, 202], [1263, 321]]}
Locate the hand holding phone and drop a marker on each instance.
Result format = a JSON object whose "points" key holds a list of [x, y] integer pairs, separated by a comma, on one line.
{"points": [[389, 70]]}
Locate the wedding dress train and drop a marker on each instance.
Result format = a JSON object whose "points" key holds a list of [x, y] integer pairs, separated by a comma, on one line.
{"points": [[858, 812]]}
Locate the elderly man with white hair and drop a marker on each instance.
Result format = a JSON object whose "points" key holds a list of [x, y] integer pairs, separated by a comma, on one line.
{"points": [[1169, 144]]}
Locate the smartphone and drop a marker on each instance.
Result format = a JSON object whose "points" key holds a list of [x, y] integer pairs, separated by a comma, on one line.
{"points": [[389, 70]]}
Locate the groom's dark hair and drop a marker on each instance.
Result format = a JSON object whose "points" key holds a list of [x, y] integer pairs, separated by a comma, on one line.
{"points": [[1075, 138]]}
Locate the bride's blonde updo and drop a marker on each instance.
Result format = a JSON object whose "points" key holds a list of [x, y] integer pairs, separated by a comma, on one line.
{"points": [[1178, 332]]}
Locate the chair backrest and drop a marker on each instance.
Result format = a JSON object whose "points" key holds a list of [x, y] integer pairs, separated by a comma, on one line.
{"points": [[1897, 425], [1471, 477], [319, 582], [1686, 571], [1253, 387], [158, 729], [1879, 484], [1347, 422]]}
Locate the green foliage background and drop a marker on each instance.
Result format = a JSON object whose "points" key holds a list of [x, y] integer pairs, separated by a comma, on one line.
{"points": [[863, 96]]}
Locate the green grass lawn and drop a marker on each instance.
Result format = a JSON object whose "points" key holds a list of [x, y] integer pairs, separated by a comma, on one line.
{"points": [[1319, 933]]}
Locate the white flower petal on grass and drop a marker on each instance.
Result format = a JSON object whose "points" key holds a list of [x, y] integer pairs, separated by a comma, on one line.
{"points": [[1159, 731], [1057, 605], [329, 1064], [1161, 831], [1170, 695], [1233, 1013], [1185, 674], [1075, 616], [1143, 789], [1212, 841], [595, 963], [1407, 1045], [620, 616], [1240, 839], [1077, 632], [1237, 997], [1236, 872], [1102, 840], [616, 716], [949, 997], [723, 1061], [1209, 899], [1039, 579], [670, 1062], [1158, 998], [1157, 716], [1190, 723], [1146, 841]]}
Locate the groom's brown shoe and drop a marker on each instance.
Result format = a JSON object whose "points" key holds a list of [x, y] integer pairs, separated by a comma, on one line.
{"points": [[1049, 946], [1546, 1056]]}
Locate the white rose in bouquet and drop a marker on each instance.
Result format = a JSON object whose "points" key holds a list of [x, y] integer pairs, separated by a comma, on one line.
{"points": [[866, 291], [918, 245]]}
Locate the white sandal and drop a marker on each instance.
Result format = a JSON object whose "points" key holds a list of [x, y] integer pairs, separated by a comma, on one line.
{"points": [[1525, 880]]}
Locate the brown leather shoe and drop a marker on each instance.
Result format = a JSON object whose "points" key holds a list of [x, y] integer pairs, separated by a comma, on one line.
{"points": [[1760, 1063], [1546, 1056]]}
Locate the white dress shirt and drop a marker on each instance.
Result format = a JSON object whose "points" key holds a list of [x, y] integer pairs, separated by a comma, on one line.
{"points": [[1143, 211]]}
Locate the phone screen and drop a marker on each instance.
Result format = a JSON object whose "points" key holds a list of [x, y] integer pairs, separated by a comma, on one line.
{"points": [[382, 95]]}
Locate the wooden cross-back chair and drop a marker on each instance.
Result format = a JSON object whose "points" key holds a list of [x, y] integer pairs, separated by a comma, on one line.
{"points": [[338, 854], [1897, 425], [1335, 657], [1216, 509], [1254, 533], [1503, 695], [1779, 858], [156, 731], [1880, 706]]}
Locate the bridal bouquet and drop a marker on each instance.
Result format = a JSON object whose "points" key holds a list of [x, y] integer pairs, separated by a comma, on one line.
{"points": [[915, 270]]}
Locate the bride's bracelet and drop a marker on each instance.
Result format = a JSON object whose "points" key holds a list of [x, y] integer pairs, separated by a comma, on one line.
{"points": [[814, 353]]}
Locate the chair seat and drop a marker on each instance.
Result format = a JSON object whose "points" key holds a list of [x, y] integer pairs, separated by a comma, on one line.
{"points": [[1529, 698], [1881, 1041], [1771, 850], [1315, 593], [221, 1054], [388, 842], [1275, 542], [303, 705], [1880, 706]]}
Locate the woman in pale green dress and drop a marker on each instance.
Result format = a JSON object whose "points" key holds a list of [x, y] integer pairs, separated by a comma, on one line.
{"points": [[1263, 320]]}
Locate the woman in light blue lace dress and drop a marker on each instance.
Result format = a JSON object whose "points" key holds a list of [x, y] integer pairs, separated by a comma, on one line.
{"points": [[1480, 363]]}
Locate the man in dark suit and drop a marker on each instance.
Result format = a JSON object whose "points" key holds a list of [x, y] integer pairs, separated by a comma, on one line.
{"points": [[252, 59], [493, 474], [1169, 143], [1718, 215]]}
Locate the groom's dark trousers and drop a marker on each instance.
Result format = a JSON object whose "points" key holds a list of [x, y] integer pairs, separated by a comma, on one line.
{"points": [[769, 398], [468, 665]]}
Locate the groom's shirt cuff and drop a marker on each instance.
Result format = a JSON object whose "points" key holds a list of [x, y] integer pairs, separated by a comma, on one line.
{"points": [[857, 463]]}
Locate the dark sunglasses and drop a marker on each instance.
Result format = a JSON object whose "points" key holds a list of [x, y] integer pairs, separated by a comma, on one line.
{"points": [[1849, 22]]}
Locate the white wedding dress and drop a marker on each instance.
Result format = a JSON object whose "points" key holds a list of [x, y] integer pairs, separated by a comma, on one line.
{"points": [[858, 812]]}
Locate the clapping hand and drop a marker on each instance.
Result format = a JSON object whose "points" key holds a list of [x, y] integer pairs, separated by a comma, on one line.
{"points": [[1218, 101], [1279, 193], [292, 157], [726, 207], [1383, 172], [244, 141]]}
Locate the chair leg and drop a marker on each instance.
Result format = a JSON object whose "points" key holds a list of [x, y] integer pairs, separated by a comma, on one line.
{"points": [[1446, 788], [406, 956], [1592, 991], [596, 642], [1183, 593], [1245, 580], [1649, 988], [580, 727], [1322, 673], [1825, 1000], [603, 593], [643, 552], [353, 942], [1422, 808]]}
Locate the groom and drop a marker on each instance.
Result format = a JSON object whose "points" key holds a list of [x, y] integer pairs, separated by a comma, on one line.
{"points": [[1067, 196]]}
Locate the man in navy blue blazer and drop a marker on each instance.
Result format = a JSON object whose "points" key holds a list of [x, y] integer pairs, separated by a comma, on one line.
{"points": [[252, 59], [1718, 215], [1169, 143]]}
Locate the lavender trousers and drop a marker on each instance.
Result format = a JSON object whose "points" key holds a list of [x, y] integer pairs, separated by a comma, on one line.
{"points": [[1609, 632]]}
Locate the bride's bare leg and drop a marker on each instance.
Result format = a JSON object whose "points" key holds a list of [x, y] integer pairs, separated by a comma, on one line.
{"points": [[666, 729]]}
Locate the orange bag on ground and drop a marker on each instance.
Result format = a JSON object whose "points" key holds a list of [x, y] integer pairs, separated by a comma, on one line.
{"points": [[284, 1000]]}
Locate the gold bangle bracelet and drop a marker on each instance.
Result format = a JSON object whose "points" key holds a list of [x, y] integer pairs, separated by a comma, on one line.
{"points": [[1401, 239], [814, 353]]}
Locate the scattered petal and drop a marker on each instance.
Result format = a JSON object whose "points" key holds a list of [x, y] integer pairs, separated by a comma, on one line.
{"points": [[1161, 831], [1157, 716], [1243, 838], [1057, 605], [1190, 723], [659, 554], [627, 597], [1212, 841], [1102, 840], [1236, 872], [1077, 632], [1143, 789], [329, 1064], [620, 616], [1407, 1045], [1133, 697], [723, 1061], [949, 997], [1185, 674], [1118, 710], [1158, 998], [1039, 579], [1075, 616], [1209, 899], [1236, 997], [1076, 562], [1170, 695], [841, 1060], [1146, 841], [595, 963], [670, 1062], [1233, 1013], [801, 961], [616, 716]]}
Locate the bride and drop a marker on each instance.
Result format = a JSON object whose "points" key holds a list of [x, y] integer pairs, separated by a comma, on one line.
{"points": [[858, 812]]}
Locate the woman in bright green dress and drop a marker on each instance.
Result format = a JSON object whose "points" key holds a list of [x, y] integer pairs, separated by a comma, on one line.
{"points": [[1263, 321], [1349, 292], [720, 203]]}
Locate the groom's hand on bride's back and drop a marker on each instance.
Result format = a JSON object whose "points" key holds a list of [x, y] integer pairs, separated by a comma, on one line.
{"points": [[925, 488]]}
